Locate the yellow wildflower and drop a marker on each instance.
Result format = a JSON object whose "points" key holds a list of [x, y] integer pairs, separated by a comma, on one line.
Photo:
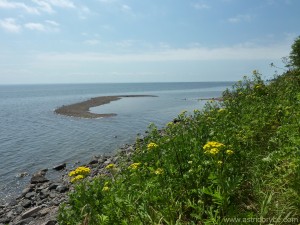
{"points": [[110, 166], [229, 152], [78, 177], [221, 110], [134, 166], [105, 188], [72, 173], [158, 171], [220, 162], [151, 146], [84, 171], [212, 144]]}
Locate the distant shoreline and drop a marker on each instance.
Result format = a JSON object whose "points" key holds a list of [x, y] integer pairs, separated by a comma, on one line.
{"points": [[81, 109]]}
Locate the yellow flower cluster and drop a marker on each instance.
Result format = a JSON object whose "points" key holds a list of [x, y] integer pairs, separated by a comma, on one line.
{"points": [[229, 152], [81, 170], [134, 166], [105, 187], [212, 147], [110, 166], [79, 173], [151, 146], [159, 171], [221, 110], [77, 178]]}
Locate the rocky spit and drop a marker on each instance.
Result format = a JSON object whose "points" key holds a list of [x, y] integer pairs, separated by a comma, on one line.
{"points": [[82, 109], [39, 202]]}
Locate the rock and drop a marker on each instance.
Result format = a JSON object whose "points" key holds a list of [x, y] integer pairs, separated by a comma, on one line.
{"points": [[13, 202], [30, 195], [107, 161], [60, 166], [23, 174], [52, 195], [39, 177], [26, 203], [26, 190], [4, 220], [93, 161], [53, 186], [19, 209], [31, 212], [44, 211], [10, 214], [24, 221], [62, 188], [44, 194], [50, 222]]}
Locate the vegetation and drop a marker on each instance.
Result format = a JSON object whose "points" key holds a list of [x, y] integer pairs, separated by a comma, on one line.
{"points": [[295, 54], [235, 162]]}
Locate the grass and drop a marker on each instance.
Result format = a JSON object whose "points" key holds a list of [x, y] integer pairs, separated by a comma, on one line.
{"points": [[234, 162]]}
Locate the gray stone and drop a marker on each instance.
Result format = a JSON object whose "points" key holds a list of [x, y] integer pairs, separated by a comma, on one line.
{"points": [[50, 222], [52, 195], [24, 221], [19, 209], [62, 188], [93, 161], [44, 194], [26, 203], [13, 202], [31, 212], [39, 178], [26, 190], [60, 166], [4, 220], [30, 195], [53, 186], [10, 214], [23, 174], [44, 211]]}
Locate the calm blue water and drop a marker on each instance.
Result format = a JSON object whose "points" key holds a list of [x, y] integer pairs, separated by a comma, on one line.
{"points": [[32, 137]]}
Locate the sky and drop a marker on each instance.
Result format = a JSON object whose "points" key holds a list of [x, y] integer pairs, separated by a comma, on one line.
{"points": [[117, 41]]}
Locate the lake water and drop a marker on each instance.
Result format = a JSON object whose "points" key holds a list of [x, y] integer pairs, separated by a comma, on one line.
{"points": [[33, 137]]}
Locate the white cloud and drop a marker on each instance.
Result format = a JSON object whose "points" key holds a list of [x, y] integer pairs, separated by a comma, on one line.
{"points": [[241, 18], [200, 6], [10, 25], [125, 8], [51, 22], [44, 6], [47, 26], [238, 52], [35, 26], [62, 3], [18, 5], [92, 42]]}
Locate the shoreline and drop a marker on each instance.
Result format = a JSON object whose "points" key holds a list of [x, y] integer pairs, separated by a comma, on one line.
{"points": [[39, 201], [81, 109]]}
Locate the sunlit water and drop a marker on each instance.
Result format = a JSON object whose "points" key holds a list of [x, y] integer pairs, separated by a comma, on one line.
{"points": [[33, 137]]}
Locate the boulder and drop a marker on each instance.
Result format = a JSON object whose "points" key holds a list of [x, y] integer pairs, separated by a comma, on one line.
{"points": [[31, 212], [39, 177], [60, 166]]}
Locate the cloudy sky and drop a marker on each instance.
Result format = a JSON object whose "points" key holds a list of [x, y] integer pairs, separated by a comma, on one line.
{"points": [[86, 41]]}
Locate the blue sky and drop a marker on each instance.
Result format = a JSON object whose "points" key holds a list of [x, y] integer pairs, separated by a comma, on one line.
{"points": [[87, 41]]}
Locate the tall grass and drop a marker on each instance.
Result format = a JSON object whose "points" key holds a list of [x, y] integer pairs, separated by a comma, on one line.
{"points": [[235, 159]]}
